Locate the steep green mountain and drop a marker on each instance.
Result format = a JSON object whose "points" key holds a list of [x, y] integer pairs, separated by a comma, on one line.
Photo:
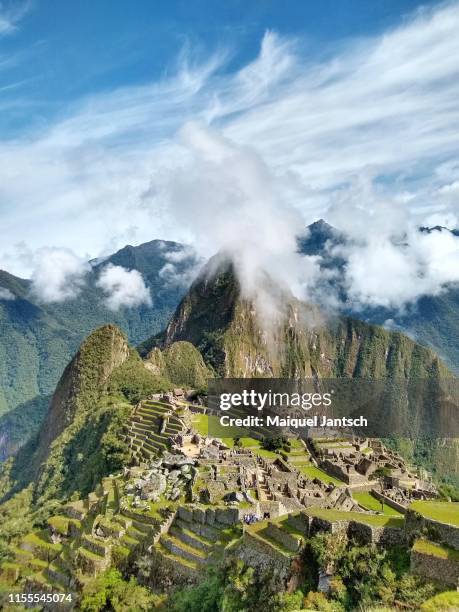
{"points": [[235, 340], [38, 340], [81, 439], [181, 363]]}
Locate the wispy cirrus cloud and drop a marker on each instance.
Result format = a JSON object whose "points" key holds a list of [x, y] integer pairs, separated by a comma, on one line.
{"points": [[11, 13], [381, 109]]}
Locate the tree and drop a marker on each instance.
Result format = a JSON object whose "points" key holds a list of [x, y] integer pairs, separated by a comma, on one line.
{"points": [[110, 592]]}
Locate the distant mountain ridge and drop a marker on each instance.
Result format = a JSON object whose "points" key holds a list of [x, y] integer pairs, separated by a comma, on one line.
{"points": [[37, 340], [301, 341], [432, 320]]}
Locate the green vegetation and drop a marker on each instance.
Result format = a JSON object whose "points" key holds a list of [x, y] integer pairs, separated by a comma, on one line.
{"points": [[83, 438], [134, 381], [110, 592], [438, 511], [374, 520], [368, 501], [435, 550], [38, 339], [209, 425], [185, 366], [443, 602], [233, 587], [276, 444], [311, 471], [365, 576]]}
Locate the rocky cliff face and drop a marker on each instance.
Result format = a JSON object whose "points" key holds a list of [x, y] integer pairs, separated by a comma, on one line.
{"points": [[300, 341], [236, 340]]}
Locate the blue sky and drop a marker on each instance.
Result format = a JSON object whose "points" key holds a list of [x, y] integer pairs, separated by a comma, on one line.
{"points": [[231, 125], [60, 51]]}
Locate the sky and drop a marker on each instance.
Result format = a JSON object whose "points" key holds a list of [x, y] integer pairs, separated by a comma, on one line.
{"points": [[228, 124]]}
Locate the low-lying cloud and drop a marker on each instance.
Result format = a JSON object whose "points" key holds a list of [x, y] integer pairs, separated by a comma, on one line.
{"points": [[6, 294], [58, 274], [389, 261], [230, 202], [181, 267], [123, 288]]}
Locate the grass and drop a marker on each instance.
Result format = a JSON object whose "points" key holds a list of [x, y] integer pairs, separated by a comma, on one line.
{"points": [[259, 530], [209, 425], [295, 443], [90, 554], [447, 601], [36, 540], [267, 454], [155, 507], [249, 443], [435, 550], [59, 523], [445, 512], [311, 471], [175, 558], [197, 552], [368, 501], [375, 520]]}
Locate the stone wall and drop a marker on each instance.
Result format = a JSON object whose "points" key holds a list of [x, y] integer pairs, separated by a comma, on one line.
{"points": [[435, 568], [167, 575], [263, 557], [416, 524], [369, 534], [300, 521], [366, 534], [274, 508], [210, 516], [319, 524], [387, 500], [282, 537], [98, 548], [164, 527], [339, 471]]}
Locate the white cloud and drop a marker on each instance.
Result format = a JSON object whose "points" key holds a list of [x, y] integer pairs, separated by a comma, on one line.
{"points": [[291, 135], [389, 262], [6, 294], [229, 201], [58, 274], [181, 268], [123, 288]]}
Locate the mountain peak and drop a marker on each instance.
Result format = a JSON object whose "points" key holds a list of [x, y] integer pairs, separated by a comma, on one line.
{"points": [[438, 228], [317, 235], [320, 225], [103, 350]]}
